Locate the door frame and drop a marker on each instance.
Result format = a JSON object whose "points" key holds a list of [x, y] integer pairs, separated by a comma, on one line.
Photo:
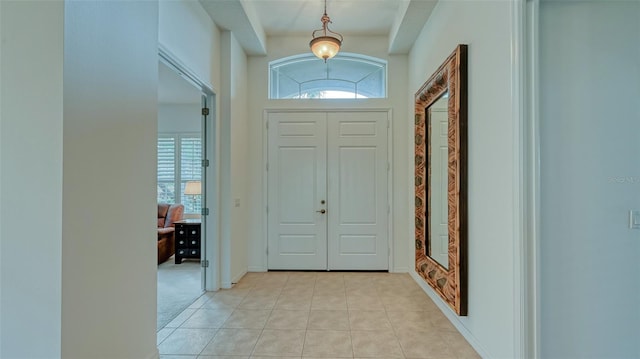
{"points": [[265, 174], [525, 109], [210, 196]]}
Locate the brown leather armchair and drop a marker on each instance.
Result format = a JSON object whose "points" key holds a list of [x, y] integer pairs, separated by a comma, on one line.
{"points": [[168, 214]]}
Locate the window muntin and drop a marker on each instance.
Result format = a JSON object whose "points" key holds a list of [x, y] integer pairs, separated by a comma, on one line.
{"points": [[344, 76]]}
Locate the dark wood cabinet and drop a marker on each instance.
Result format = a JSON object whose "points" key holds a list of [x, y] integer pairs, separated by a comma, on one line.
{"points": [[187, 239]]}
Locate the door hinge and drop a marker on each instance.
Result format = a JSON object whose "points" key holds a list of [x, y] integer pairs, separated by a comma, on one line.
{"points": [[267, 250], [267, 209], [204, 263], [267, 167], [205, 211], [205, 163], [205, 111]]}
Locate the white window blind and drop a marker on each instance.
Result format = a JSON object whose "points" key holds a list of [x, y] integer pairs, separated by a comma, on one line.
{"points": [[190, 170], [179, 161], [166, 169]]}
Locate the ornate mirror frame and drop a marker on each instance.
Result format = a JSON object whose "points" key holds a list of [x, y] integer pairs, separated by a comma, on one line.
{"points": [[450, 283]]}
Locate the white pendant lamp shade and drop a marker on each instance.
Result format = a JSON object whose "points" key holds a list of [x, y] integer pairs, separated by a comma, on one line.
{"points": [[325, 47]]}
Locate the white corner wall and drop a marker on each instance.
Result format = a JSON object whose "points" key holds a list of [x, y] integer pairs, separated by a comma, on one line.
{"points": [[376, 46], [589, 258], [239, 159], [484, 26], [31, 64], [233, 161], [109, 172]]}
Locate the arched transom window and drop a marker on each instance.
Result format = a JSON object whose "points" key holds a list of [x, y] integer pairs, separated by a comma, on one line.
{"points": [[344, 76]]}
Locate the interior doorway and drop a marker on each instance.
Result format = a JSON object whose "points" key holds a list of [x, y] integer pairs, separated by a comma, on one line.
{"points": [[180, 190], [328, 205]]}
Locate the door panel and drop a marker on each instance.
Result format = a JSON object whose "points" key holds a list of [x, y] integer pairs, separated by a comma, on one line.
{"points": [[297, 176], [357, 185], [296, 187], [357, 203]]}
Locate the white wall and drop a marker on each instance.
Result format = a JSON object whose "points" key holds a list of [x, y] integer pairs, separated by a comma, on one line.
{"points": [[234, 164], [239, 159], [31, 178], [189, 33], [180, 118], [590, 178], [109, 200], [485, 27], [280, 47]]}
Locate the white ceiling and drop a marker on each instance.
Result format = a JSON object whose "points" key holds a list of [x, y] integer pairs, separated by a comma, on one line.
{"points": [[253, 20], [301, 17]]}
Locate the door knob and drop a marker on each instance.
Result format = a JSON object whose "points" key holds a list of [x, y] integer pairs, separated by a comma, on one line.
{"points": [[322, 211]]}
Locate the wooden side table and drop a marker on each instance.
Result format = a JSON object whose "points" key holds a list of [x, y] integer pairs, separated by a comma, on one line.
{"points": [[187, 239]]}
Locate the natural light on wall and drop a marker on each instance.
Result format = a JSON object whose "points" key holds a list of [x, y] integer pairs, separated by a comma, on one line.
{"points": [[346, 76]]}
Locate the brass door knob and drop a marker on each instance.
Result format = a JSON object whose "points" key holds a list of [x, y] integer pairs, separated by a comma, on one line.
{"points": [[322, 211]]}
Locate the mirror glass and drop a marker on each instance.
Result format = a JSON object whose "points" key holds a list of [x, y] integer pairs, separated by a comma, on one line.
{"points": [[438, 208]]}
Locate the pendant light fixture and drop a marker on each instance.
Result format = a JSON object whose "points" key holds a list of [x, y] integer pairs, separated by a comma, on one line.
{"points": [[327, 44]]}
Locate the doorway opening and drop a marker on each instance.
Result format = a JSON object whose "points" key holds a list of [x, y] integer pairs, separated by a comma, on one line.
{"points": [[183, 114]]}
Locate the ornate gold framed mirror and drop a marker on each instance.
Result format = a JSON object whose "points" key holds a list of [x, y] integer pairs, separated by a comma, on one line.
{"points": [[441, 180]]}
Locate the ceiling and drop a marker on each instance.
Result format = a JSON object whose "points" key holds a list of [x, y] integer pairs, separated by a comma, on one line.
{"points": [[301, 17], [252, 21]]}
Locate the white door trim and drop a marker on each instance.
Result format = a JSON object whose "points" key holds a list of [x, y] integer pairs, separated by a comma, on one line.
{"points": [[524, 100], [265, 199]]}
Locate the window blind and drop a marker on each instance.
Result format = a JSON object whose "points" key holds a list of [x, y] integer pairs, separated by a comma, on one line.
{"points": [[179, 161]]}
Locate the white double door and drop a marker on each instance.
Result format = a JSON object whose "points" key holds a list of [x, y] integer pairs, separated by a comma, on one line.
{"points": [[327, 190]]}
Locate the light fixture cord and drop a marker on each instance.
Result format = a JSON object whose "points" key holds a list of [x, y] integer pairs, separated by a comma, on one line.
{"points": [[325, 19]]}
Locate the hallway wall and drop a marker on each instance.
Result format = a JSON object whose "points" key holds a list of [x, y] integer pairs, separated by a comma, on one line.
{"points": [[492, 189], [108, 204], [31, 67], [590, 175], [234, 140]]}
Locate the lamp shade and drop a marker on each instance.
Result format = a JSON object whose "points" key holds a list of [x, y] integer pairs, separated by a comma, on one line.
{"points": [[325, 47], [193, 188]]}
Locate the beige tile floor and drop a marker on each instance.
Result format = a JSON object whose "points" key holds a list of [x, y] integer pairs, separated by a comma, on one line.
{"points": [[314, 315]]}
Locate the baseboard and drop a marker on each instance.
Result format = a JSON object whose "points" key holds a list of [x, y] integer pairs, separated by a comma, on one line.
{"points": [[237, 278], [453, 318], [400, 270], [257, 269]]}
